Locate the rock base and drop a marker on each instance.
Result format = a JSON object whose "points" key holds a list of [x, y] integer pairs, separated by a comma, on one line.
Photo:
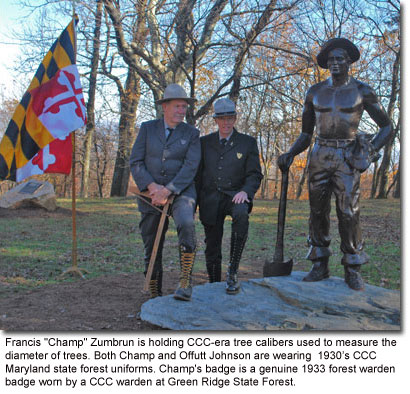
{"points": [[279, 303]]}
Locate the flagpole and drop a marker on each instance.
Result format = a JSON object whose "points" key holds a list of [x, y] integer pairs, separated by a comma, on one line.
{"points": [[74, 264], [73, 191], [73, 206]]}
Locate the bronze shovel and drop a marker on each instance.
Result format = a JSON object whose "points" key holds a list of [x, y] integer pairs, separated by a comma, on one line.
{"points": [[279, 267]]}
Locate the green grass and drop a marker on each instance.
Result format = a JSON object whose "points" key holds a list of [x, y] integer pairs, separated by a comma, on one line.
{"points": [[35, 251]]}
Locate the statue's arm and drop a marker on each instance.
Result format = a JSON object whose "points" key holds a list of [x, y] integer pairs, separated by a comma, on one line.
{"points": [[305, 137], [376, 111]]}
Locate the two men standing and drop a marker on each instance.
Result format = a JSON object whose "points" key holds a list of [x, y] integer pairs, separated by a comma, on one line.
{"points": [[165, 160]]}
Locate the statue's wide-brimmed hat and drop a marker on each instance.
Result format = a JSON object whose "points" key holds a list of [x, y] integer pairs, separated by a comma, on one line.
{"points": [[334, 43], [175, 92], [224, 107]]}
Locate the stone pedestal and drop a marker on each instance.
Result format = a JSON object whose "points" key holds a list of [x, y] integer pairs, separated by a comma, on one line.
{"points": [[279, 303]]}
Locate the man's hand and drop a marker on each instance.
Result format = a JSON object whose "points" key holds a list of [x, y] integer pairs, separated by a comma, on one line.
{"points": [[240, 197], [158, 193], [285, 161], [153, 188]]}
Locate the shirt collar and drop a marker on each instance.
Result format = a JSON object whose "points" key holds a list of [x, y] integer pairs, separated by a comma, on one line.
{"points": [[227, 138], [166, 126]]}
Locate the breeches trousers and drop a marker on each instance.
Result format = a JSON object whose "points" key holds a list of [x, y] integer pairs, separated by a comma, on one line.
{"points": [[330, 174], [214, 233]]}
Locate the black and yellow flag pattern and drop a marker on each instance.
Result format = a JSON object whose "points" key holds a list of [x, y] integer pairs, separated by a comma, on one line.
{"points": [[26, 134]]}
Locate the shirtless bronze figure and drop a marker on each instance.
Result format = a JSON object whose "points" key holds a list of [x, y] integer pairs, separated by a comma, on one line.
{"points": [[335, 107]]}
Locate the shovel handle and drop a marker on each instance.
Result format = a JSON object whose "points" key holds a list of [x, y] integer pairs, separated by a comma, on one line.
{"points": [[281, 216]]}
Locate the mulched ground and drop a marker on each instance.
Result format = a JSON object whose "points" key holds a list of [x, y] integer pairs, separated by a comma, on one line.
{"points": [[109, 302], [36, 212], [104, 303]]}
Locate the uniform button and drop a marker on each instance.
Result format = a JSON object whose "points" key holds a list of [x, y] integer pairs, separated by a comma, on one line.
{"points": [[219, 168], [219, 178], [222, 157]]}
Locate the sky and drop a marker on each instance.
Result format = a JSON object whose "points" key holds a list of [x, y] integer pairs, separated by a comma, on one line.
{"points": [[9, 13]]}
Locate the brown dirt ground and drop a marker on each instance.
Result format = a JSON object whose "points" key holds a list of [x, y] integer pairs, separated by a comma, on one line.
{"points": [[104, 303], [109, 302]]}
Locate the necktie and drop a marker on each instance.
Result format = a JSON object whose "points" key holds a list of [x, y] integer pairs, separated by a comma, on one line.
{"points": [[223, 142], [169, 132]]}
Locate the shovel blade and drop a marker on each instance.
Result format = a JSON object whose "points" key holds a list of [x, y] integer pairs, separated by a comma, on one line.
{"points": [[276, 268]]}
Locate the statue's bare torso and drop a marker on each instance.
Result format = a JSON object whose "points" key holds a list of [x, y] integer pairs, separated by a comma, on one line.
{"points": [[337, 110]]}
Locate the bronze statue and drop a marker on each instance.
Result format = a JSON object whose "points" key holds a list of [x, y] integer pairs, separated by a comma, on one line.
{"points": [[335, 107]]}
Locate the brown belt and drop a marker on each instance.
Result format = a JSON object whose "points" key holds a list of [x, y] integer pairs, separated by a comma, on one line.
{"points": [[334, 143]]}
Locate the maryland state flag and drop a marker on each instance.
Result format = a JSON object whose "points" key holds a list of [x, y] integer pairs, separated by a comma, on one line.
{"points": [[38, 137]]}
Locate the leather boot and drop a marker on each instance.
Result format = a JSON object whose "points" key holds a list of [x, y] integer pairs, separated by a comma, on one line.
{"points": [[155, 285], [237, 245], [214, 271], [319, 271], [186, 259], [353, 278]]}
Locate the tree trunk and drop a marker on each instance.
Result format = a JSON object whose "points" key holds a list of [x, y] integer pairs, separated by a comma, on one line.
{"points": [[385, 165], [384, 169], [101, 165], [265, 183], [129, 103], [374, 180], [276, 183], [66, 185], [396, 193], [90, 128]]}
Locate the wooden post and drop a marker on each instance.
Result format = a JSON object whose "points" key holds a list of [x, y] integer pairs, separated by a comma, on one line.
{"points": [[74, 265], [156, 243], [73, 207]]}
